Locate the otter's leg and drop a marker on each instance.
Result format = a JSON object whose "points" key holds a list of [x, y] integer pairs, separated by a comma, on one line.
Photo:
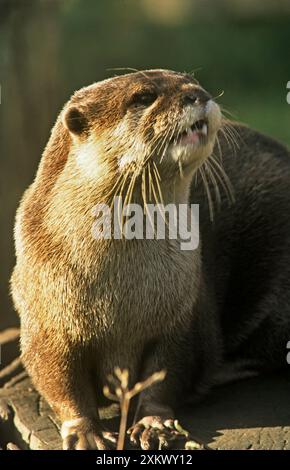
{"points": [[154, 420], [191, 363], [64, 381]]}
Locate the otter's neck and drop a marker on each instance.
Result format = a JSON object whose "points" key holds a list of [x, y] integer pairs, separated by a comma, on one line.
{"points": [[72, 213]]}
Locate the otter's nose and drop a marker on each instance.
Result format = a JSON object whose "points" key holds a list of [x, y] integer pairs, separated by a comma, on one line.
{"points": [[197, 96]]}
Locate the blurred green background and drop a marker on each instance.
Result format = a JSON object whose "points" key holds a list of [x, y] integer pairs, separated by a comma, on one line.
{"points": [[49, 48]]}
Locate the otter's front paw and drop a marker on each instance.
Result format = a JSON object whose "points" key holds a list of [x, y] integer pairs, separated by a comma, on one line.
{"points": [[154, 432], [83, 434]]}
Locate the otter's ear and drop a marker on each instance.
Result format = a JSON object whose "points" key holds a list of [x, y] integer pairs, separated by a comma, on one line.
{"points": [[75, 120]]}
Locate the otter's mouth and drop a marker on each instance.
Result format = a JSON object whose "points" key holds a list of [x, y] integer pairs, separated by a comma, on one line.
{"points": [[197, 133]]}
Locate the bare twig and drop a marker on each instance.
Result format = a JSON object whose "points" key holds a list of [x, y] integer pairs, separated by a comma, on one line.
{"points": [[9, 335], [15, 379], [10, 368], [120, 382]]}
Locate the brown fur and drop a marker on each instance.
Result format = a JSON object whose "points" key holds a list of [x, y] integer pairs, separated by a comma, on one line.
{"points": [[89, 305]]}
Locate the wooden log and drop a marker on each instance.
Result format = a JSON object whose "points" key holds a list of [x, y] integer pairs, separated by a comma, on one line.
{"points": [[253, 414]]}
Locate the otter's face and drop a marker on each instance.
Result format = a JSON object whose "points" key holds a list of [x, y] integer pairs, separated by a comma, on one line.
{"points": [[157, 115]]}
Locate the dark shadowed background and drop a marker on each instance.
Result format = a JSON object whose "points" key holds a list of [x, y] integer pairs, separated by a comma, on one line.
{"points": [[49, 48]]}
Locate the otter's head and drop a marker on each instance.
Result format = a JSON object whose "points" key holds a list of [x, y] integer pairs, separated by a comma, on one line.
{"points": [[159, 118]]}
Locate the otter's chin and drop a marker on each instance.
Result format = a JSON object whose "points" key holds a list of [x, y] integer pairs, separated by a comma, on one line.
{"points": [[191, 155]]}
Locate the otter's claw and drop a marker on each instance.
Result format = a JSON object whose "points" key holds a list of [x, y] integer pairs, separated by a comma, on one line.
{"points": [[81, 434], [154, 432]]}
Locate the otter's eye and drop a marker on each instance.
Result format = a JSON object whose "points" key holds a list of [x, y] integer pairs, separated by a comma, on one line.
{"points": [[145, 98]]}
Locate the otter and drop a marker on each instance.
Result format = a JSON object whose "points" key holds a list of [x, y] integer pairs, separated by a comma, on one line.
{"points": [[87, 305]]}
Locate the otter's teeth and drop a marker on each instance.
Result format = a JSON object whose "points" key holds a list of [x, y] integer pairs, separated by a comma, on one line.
{"points": [[204, 129]]}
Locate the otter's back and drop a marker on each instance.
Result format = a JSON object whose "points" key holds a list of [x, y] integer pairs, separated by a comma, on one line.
{"points": [[246, 249]]}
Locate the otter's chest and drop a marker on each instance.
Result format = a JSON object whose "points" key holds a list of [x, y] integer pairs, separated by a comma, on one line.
{"points": [[146, 290]]}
